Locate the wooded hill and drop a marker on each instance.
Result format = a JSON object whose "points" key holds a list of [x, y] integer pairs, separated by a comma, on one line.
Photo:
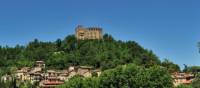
{"points": [[105, 53], [126, 62]]}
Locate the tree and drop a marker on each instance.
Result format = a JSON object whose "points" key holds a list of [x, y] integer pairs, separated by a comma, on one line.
{"points": [[192, 69], [59, 44], [104, 54], [171, 67], [69, 43], [184, 86], [107, 37], [185, 68], [196, 82]]}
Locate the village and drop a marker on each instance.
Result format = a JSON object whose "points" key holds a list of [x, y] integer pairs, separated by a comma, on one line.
{"points": [[50, 78]]}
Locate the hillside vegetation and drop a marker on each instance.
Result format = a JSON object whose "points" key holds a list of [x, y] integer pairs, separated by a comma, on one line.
{"points": [[126, 76], [124, 64], [106, 53]]}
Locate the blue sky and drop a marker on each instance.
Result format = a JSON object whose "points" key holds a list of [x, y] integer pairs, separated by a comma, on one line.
{"points": [[171, 28]]}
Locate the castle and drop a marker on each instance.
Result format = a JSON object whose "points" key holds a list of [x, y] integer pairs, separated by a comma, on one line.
{"points": [[83, 33]]}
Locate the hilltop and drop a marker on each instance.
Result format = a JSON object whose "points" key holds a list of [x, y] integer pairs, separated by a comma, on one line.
{"points": [[113, 57], [104, 53]]}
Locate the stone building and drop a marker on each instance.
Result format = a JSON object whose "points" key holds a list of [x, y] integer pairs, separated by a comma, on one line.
{"points": [[51, 79], [23, 74], [85, 71], [83, 33], [183, 78]]}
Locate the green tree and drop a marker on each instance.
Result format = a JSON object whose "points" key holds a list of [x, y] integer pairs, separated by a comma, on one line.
{"points": [[171, 67], [196, 82], [105, 54], [184, 86]]}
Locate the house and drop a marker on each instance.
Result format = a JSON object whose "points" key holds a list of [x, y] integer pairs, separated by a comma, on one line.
{"points": [[63, 75], [71, 68], [40, 64], [183, 78], [36, 74], [51, 82], [85, 71], [72, 71], [35, 77], [51, 79], [23, 74]]}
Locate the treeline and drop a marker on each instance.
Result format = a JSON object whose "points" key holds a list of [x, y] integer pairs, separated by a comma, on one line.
{"points": [[106, 53]]}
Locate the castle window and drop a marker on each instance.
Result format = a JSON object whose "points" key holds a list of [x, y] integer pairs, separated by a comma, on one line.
{"points": [[81, 34]]}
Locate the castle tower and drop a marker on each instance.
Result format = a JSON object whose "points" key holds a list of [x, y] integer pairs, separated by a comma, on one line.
{"points": [[88, 33]]}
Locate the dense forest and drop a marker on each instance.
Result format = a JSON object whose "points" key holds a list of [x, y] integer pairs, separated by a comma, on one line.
{"points": [[123, 63], [106, 53]]}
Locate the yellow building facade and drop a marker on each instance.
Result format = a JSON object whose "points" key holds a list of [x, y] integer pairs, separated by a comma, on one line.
{"points": [[83, 33]]}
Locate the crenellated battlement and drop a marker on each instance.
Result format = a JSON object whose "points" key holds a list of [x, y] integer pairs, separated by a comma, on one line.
{"points": [[83, 33]]}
